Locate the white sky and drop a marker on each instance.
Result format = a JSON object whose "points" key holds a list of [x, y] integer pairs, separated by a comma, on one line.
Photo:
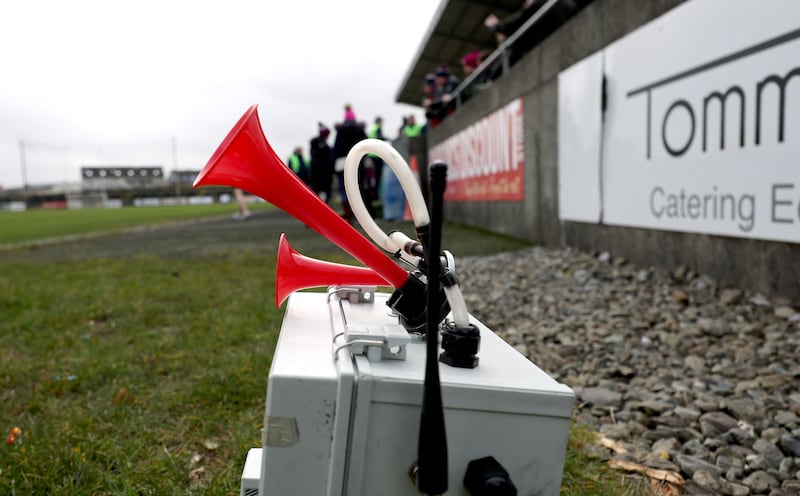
{"points": [[111, 82]]}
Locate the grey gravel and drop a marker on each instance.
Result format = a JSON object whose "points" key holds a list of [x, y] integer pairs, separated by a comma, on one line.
{"points": [[691, 376]]}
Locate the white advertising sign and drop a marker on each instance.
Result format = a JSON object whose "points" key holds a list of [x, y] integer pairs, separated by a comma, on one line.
{"points": [[580, 93], [701, 131], [702, 128]]}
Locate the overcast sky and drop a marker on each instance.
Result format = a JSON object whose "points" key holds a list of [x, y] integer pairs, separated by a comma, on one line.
{"points": [[112, 82]]}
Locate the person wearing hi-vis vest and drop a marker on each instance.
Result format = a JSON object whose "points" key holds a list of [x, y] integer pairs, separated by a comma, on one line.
{"points": [[412, 129], [299, 165]]}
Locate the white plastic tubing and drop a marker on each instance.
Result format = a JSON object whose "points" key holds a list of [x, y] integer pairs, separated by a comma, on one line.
{"points": [[396, 241], [419, 211]]}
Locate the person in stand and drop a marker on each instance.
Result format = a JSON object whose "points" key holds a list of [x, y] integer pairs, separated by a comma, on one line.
{"points": [[321, 164], [442, 103], [348, 133], [549, 22], [431, 112], [469, 63], [299, 165]]}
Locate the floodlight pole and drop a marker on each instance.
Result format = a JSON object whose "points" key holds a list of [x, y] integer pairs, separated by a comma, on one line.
{"points": [[174, 142], [23, 165]]}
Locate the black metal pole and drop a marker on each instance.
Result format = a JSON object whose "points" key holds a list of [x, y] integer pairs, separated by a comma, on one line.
{"points": [[432, 446]]}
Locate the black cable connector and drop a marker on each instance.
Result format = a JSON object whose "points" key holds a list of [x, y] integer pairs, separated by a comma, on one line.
{"points": [[460, 345]]}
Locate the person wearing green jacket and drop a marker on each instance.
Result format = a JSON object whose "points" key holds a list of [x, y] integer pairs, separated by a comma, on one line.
{"points": [[299, 165]]}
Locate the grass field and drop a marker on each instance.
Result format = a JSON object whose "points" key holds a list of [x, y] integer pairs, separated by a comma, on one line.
{"points": [[147, 375], [125, 381], [37, 225]]}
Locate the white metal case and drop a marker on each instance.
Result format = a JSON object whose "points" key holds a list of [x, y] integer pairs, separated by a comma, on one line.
{"points": [[339, 423]]}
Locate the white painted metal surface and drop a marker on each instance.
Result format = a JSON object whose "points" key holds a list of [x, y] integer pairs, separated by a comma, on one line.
{"points": [[349, 425], [580, 133], [251, 475]]}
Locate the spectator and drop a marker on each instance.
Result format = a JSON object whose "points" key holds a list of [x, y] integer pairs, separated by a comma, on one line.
{"points": [[392, 195], [348, 133], [299, 165], [549, 22], [376, 129], [402, 126], [393, 198], [373, 164], [427, 87], [349, 115], [242, 212], [442, 103], [412, 129], [321, 164], [469, 63]]}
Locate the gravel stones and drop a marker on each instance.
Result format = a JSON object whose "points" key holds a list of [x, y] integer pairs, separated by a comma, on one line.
{"points": [[693, 377]]}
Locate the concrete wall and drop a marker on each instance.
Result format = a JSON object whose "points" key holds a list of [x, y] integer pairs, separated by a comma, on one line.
{"points": [[770, 267]]}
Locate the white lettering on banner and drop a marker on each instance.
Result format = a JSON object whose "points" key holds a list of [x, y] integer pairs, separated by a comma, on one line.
{"points": [[485, 161]]}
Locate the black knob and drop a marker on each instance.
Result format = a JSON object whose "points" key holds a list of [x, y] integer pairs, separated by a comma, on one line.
{"points": [[486, 477]]}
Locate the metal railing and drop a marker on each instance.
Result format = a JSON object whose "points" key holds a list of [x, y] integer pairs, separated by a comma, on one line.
{"points": [[501, 51]]}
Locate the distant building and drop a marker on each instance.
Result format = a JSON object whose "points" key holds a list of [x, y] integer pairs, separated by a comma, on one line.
{"points": [[115, 187], [182, 176], [115, 178]]}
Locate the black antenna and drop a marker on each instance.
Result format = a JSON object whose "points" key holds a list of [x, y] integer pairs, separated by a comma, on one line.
{"points": [[432, 446]]}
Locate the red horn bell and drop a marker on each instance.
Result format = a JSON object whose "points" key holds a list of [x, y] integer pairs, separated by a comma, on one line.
{"points": [[245, 160], [295, 271]]}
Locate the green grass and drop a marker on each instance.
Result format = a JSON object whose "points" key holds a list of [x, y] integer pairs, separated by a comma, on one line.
{"points": [[119, 378], [147, 376], [37, 224], [588, 476]]}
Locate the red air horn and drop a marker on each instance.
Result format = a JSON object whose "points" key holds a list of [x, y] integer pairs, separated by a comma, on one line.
{"points": [[295, 271], [245, 160]]}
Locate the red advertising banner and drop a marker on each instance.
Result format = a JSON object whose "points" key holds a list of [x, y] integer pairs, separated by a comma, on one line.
{"points": [[486, 161]]}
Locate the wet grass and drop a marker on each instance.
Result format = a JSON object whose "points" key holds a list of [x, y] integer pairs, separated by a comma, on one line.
{"points": [[139, 376], [39, 224]]}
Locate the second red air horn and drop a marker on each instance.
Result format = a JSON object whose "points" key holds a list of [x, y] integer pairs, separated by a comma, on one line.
{"points": [[296, 271]]}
